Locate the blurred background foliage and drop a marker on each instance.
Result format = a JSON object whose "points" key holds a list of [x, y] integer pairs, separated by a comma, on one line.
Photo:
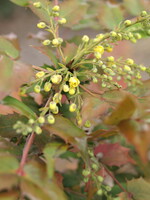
{"points": [[96, 14]]}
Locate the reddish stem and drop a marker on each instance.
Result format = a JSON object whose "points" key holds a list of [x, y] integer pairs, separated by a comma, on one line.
{"points": [[26, 149], [56, 2], [129, 195]]}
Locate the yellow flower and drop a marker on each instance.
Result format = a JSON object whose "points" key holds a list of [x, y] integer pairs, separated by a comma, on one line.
{"points": [[99, 49], [74, 82]]}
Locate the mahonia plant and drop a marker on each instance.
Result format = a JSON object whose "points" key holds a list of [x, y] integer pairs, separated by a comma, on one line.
{"points": [[65, 82]]}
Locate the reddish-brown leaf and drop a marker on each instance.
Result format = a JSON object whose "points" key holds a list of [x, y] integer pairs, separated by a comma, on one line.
{"points": [[123, 111], [138, 135], [114, 154], [92, 108]]}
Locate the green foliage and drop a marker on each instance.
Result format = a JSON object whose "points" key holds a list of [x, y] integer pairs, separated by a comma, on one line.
{"points": [[70, 127]]}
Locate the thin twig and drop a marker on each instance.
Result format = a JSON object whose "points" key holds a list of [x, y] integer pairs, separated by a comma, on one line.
{"points": [[129, 195], [26, 149], [91, 93], [74, 192]]}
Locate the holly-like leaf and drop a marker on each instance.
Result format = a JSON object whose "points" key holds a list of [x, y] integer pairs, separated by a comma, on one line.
{"points": [[12, 76], [8, 163], [141, 90], [114, 154], [25, 110], [123, 111], [51, 151], [110, 17], [137, 135], [92, 108], [114, 96], [65, 129], [8, 48], [48, 52], [73, 11], [139, 188], [7, 146], [35, 184], [20, 2], [134, 7], [69, 51]]}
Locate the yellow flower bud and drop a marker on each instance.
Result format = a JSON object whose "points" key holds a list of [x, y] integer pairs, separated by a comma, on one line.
{"points": [[62, 21], [37, 89], [138, 76], [47, 86], [97, 55], [74, 82], [57, 97], [56, 110], [127, 23], [41, 25], [40, 74], [56, 8], [130, 61], [46, 42], [85, 38], [72, 91], [65, 88], [87, 124], [109, 49], [127, 68], [113, 33], [100, 36], [99, 49], [52, 105], [37, 4], [51, 119], [143, 13], [56, 79], [72, 107], [142, 68], [55, 42], [110, 59], [41, 119], [38, 130]]}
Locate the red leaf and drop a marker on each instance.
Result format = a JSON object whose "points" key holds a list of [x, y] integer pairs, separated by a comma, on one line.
{"points": [[114, 154]]}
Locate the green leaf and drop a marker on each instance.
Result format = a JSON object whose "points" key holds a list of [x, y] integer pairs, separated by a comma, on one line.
{"points": [[8, 163], [65, 129], [51, 151], [123, 111], [8, 48], [73, 11], [141, 90], [114, 95], [134, 7], [7, 146], [50, 191], [110, 17], [36, 185], [139, 188], [43, 12], [25, 110], [20, 2]]}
